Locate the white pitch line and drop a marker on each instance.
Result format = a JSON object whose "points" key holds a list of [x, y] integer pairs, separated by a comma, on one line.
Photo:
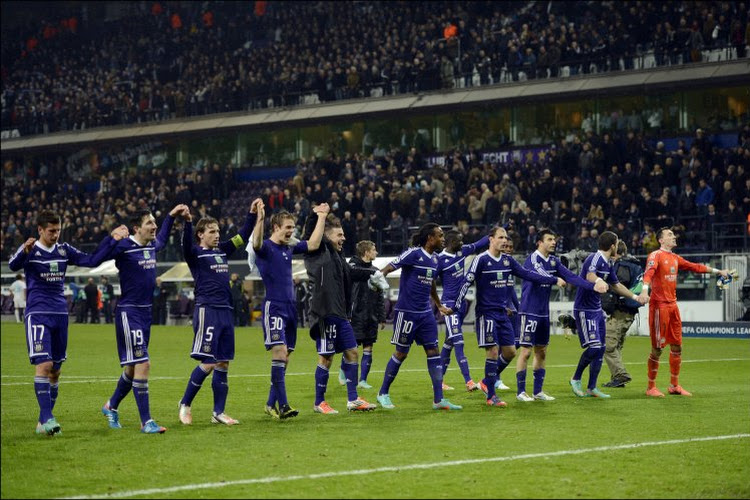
{"points": [[434, 465], [82, 379]]}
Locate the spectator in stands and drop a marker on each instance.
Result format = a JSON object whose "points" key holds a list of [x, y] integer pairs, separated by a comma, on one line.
{"points": [[92, 301], [159, 308]]}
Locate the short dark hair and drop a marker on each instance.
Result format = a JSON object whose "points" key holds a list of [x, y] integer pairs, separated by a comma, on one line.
{"points": [[606, 240], [544, 232], [451, 237], [136, 219], [660, 232], [332, 222], [494, 230], [47, 217]]}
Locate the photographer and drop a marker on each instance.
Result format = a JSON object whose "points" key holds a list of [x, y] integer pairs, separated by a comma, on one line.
{"points": [[621, 313]]}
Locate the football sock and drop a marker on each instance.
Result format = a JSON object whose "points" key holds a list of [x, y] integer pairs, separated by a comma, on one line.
{"points": [[445, 356], [140, 392], [502, 364], [587, 356], [53, 388], [436, 374], [124, 384], [490, 376], [520, 381], [321, 383], [463, 363], [653, 370], [271, 396], [220, 385], [194, 385], [366, 363], [278, 369], [41, 388], [391, 370], [675, 360], [350, 370], [538, 379], [595, 367]]}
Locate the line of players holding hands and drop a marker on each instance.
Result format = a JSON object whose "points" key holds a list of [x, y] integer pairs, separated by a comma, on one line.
{"points": [[338, 288]]}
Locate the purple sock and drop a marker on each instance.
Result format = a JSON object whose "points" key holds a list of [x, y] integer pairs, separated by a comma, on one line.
{"points": [[595, 367], [194, 385], [41, 388], [502, 364], [140, 392], [585, 360], [445, 356], [220, 385], [271, 396], [539, 379], [391, 370], [436, 374], [321, 384], [350, 370], [123, 388], [490, 376], [366, 363], [53, 388], [521, 382], [279, 384], [463, 363]]}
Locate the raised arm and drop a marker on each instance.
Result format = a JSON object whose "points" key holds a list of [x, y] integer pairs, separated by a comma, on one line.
{"points": [[257, 236], [599, 285], [477, 246], [322, 211], [188, 250], [166, 227], [240, 239], [19, 258], [520, 271]]}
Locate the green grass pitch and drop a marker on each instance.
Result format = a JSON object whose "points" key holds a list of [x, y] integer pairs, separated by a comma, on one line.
{"points": [[625, 447]]}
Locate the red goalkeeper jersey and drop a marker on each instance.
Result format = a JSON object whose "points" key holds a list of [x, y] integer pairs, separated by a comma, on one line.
{"points": [[661, 274]]}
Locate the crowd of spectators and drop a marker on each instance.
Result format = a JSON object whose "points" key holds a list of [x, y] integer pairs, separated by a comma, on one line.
{"points": [[163, 60], [627, 183]]}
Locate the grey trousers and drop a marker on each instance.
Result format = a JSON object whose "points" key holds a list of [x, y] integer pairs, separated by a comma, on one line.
{"points": [[618, 325]]}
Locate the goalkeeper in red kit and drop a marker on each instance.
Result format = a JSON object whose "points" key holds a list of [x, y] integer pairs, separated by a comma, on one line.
{"points": [[665, 325]]}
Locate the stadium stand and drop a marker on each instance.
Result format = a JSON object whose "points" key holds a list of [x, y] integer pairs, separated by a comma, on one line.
{"points": [[88, 68]]}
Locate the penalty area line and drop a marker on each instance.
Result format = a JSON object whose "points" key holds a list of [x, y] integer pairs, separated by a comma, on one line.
{"points": [[407, 467]]}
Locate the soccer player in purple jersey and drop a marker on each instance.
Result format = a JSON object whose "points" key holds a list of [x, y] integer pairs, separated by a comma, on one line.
{"points": [[274, 260], [331, 279], [45, 262], [589, 316], [213, 318], [415, 321], [491, 271], [534, 313], [451, 271], [135, 258], [512, 310]]}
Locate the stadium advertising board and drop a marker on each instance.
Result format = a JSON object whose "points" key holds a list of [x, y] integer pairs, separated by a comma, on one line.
{"points": [[729, 329], [499, 156]]}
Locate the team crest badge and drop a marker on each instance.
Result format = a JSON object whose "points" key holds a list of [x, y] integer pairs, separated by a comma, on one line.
{"points": [[506, 262], [138, 353], [490, 338], [62, 252], [38, 347], [553, 263], [330, 346], [206, 348], [146, 254], [275, 336]]}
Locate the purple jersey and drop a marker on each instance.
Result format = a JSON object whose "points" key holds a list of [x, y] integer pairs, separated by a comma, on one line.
{"points": [[492, 277], [210, 267], [452, 268], [275, 267], [535, 297], [589, 300], [45, 272], [137, 266], [418, 271]]}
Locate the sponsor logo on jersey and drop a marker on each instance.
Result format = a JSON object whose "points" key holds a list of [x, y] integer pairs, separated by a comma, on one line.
{"points": [[53, 267], [146, 254], [218, 259]]}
